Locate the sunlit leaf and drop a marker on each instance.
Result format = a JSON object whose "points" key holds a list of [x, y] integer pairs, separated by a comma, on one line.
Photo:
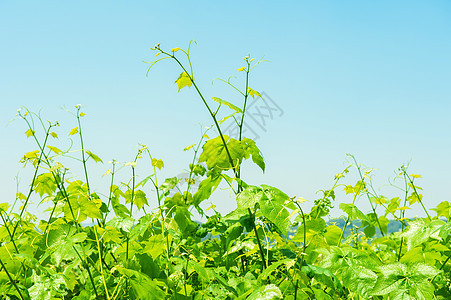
{"points": [[94, 157], [253, 93], [184, 80], [223, 102], [54, 149], [157, 163], [73, 131]]}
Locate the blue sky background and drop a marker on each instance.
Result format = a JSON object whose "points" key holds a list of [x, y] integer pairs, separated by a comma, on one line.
{"points": [[360, 77]]}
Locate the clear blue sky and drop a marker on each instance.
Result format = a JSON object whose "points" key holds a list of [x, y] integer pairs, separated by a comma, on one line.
{"points": [[371, 78]]}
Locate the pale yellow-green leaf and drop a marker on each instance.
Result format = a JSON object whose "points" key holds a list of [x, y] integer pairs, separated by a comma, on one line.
{"points": [[94, 157], [157, 163], [380, 200], [73, 131], [189, 147], [403, 208], [107, 172], [54, 149], [29, 132], [32, 154], [223, 102], [4, 206], [253, 93], [211, 207], [184, 80], [21, 196]]}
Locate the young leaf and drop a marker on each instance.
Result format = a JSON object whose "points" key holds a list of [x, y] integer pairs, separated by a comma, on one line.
{"points": [[93, 156], [73, 131], [54, 149], [250, 148], [253, 93], [220, 101], [206, 188], [267, 292], [215, 154], [29, 132], [157, 163], [139, 198], [184, 80], [45, 184], [272, 207], [353, 212], [249, 197], [144, 288]]}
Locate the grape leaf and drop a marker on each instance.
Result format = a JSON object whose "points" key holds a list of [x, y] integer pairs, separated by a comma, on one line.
{"points": [[184, 80]]}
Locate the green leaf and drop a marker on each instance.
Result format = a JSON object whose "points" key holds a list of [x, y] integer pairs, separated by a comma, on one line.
{"points": [[273, 267], [353, 212], [93, 156], [215, 154], [110, 234], [155, 245], [223, 102], [332, 234], [266, 292], [359, 280], [272, 207], [443, 209], [143, 287], [420, 230], [119, 209], [383, 221], [184, 80], [201, 271], [183, 219], [406, 282], [45, 184], [139, 198], [313, 228], [157, 163], [250, 148], [322, 275], [82, 207], [206, 188], [125, 224], [249, 197]]}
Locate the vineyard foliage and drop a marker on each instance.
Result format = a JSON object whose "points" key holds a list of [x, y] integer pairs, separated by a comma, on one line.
{"points": [[138, 239]]}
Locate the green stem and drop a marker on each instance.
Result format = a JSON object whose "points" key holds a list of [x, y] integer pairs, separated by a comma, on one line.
{"points": [[209, 110], [369, 200], [416, 193], [260, 248], [11, 280], [89, 271], [83, 150]]}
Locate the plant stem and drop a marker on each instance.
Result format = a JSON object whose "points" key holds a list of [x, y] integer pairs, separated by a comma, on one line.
{"points": [[262, 254], [11, 280], [369, 200]]}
